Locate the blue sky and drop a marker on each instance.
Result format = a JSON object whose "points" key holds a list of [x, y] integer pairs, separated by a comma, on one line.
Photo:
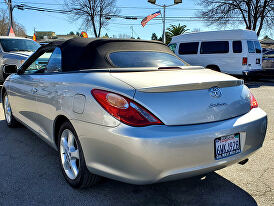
{"points": [[61, 24]]}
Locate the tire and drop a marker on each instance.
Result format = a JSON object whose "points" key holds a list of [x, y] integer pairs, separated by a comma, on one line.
{"points": [[10, 119], [214, 68], [72, 159]]}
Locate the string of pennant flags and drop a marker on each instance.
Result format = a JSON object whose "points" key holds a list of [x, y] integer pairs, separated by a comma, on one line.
{"points": [[85, 35]]}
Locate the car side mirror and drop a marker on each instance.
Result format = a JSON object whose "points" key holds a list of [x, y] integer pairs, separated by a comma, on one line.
{"points": [[10, 69]]}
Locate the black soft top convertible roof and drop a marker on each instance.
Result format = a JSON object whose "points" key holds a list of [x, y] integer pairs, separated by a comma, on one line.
{"points": [[82, 54]]}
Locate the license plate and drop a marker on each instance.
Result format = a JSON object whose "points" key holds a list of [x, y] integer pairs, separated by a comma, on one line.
{"points": [[227, 146]]}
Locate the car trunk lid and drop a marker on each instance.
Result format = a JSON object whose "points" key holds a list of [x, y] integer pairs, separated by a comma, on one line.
{"points": [[189, 95]]}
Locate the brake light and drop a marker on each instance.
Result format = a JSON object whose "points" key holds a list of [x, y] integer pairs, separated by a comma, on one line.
{"points": [[125, 109], [253, 101], [244, 60]]}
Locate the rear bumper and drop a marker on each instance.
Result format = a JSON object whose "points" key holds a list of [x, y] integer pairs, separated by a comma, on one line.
{"points": [[161, 153], [265, 73], [253, 73]]}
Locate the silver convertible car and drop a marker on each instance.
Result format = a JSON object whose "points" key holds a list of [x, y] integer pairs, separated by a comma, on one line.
{"points": [[132, 111]]}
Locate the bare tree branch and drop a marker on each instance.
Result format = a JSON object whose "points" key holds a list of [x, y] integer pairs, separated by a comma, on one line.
{"points": [[19, 30], [255, 14], [91, 12]]}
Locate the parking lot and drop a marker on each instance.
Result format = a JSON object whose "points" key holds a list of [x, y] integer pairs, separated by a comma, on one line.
{"points": [[30, 174]]}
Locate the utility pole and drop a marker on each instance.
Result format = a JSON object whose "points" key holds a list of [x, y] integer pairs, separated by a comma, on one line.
{"points": [[10, 14], [11, 8], [131, 27], [164, 25], [164, 16]]}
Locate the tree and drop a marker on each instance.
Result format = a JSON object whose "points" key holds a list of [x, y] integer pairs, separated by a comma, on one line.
{"points": [[256, 14], [92, 13], [174, 30], [154, 36], [71, 33], [18, 29], [4, 23]]}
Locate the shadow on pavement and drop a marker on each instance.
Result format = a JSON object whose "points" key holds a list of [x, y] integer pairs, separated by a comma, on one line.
{"points": [[30, 175], [259, 83]]}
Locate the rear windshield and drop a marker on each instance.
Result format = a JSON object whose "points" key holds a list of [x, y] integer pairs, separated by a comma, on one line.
{"points": [[188, 48], [10, 45], [144, 59], [214, 47]]}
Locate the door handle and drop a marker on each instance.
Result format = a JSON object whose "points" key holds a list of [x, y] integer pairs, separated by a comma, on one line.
{"points": [[34, 90]]}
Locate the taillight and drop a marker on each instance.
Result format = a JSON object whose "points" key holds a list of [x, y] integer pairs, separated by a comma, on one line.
{"points": [[244, 60], [253, 101], [125, 109]]}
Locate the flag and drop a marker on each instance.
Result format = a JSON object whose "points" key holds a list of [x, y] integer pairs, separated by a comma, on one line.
{"points": [[84, 34], [11, 32], [149, 17], [34, 37]]}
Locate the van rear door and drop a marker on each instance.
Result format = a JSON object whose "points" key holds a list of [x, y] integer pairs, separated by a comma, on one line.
{"points": [[254, 55]]}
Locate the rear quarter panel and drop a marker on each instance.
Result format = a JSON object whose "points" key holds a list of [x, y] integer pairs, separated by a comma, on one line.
{"points": [[58, 94]]}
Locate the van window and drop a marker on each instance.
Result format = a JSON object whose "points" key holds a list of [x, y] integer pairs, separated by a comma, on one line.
{"points": [[258, 47], [189, 48], [237, 46], [172, 47], [214, 47], [251, 47]]}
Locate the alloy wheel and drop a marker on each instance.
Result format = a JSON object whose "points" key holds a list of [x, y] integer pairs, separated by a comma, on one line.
{"points": [[69, 152], [7, 109]]}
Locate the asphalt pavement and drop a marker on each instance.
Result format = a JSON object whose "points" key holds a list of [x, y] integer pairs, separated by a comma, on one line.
{"points": [[30, 175]]}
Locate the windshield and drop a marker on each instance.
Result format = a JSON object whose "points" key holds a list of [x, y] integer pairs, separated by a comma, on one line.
{"points": [[10, 45], [144, 59]]}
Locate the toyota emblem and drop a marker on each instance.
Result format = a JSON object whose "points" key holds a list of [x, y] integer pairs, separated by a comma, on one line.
{"points": [[215, 92]]}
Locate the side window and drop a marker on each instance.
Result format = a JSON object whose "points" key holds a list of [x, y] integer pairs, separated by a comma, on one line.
{"points": [[39, 64], [172, 47], [237, 46], [251, 47], [188, 48], [214, 47], [257, 47], [54, 64]]}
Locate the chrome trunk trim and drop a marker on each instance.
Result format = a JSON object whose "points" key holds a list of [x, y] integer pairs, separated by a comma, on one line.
{"points": [[193, 86]]}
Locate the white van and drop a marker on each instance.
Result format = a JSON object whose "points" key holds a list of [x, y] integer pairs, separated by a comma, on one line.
{"points": [[235, 52]]}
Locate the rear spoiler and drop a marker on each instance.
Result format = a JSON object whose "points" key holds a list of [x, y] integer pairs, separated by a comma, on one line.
{"points": [[193, 86]]}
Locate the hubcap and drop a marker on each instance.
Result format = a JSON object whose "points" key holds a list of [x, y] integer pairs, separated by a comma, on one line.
{"points": [[69, 152], [7, 109]]}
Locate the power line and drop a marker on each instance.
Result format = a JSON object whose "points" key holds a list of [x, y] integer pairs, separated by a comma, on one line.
{"points": [[119, 7], [177, 18]]}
